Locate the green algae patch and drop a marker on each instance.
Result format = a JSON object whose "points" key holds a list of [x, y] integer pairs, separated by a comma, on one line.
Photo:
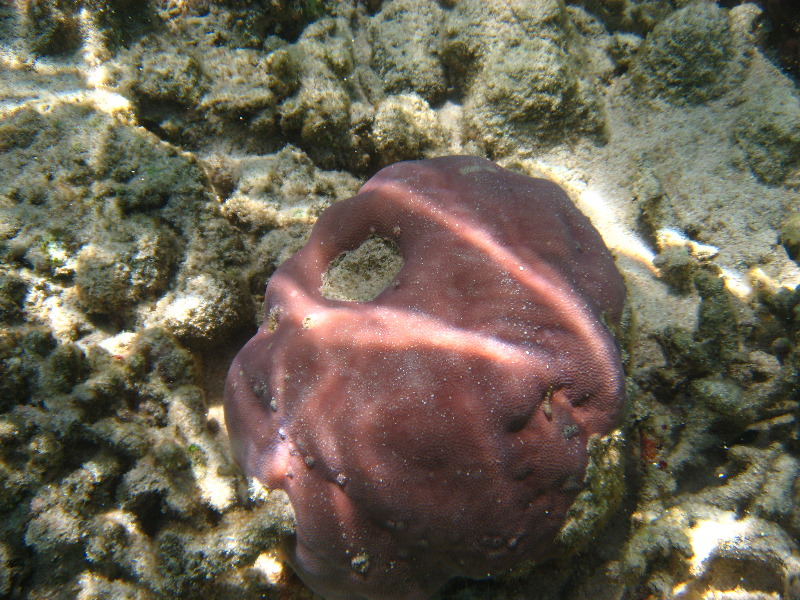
{"points": [[604, 486]]}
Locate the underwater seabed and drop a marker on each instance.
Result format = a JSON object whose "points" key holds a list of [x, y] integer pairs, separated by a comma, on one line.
{"points": [[159, 160]]}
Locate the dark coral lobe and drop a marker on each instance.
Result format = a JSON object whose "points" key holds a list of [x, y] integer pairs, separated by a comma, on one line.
{"points": [[440, 429]]}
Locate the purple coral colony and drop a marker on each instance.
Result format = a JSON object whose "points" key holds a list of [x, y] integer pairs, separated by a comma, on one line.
{"points": [[441, 428]]}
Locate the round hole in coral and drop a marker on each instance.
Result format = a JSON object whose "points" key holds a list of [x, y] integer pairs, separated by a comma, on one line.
{"points": [[361, 274]]}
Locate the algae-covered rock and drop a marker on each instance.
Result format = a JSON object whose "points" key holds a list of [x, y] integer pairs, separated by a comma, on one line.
{"points": [[768, 131], [605, 485], [732, 546], [50, 28], [245, 23], [65, 167], [187, 94], [474, 30], [405, 128], [243, 96], [685, 352], [319, 114], [676, 267], [718, 323], [55, 28], [404, 48], [45, 172], [281, 189], [143, 173], [19, 363], [63, 368], [690, 56], [94, 468], [719, 394], [157, 353], [7, 569], [727, 398], [207, 306], [790, 235], [124, 264], [639, 16], [516, 100], [83, 203], [623, 48], [12, 295], [188, 556], [525, 85], [168, 77]]}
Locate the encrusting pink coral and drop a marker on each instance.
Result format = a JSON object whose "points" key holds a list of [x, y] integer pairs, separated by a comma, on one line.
{"points": [[441, 428]]}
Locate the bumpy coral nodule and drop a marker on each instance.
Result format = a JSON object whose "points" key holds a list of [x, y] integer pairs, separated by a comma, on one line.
{"points": [[441, 428]]}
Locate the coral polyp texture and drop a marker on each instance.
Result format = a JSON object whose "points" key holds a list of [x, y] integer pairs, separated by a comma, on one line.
{"points": [[439, 428]]}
